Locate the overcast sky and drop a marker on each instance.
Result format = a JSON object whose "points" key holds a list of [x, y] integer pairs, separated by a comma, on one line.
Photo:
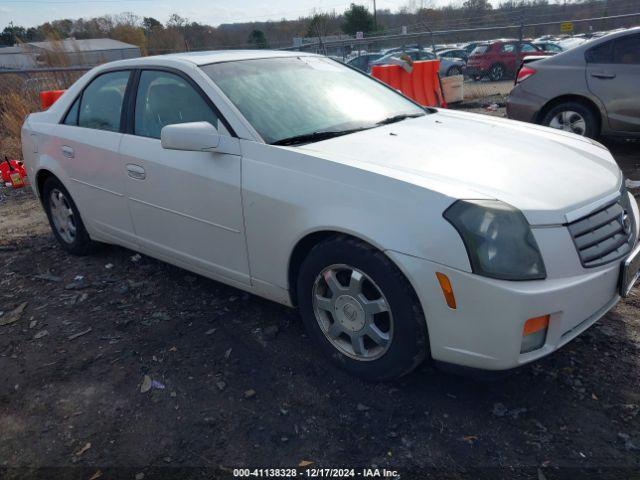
{"points": [[30, 13]]}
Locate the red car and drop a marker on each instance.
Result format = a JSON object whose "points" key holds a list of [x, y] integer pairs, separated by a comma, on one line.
{"points": [[499, 59]]}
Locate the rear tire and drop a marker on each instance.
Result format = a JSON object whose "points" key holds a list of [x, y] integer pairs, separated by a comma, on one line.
{"points": [[64, 218], [574, 117], [497, 72], [378, 346], [454, 70]]}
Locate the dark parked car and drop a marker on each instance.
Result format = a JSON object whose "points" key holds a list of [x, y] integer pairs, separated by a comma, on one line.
{"points": [[499, 59], [363, 62], [591, 90]]}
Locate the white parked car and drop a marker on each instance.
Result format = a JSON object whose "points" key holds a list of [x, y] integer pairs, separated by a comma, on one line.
{"points": [[399, 232]]}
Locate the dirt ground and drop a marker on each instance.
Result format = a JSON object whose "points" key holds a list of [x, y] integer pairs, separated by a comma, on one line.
{"points": [[231, 380]]}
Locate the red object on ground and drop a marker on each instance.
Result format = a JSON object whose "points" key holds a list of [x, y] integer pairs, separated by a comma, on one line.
{"points": [[49, 97], [422, 84], [13, 173]]}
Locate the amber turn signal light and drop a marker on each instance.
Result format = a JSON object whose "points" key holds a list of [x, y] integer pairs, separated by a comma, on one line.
{"points": [[447, 289], [535, 324]]}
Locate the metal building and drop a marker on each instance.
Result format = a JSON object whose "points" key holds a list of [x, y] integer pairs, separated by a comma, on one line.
{"points": [[67, 52]]}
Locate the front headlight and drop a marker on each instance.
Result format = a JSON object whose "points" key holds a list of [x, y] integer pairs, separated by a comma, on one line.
{"points": [[498, 240]]}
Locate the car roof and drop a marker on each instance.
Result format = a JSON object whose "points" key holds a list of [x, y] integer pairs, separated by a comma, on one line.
{"points": [[209, 56]]}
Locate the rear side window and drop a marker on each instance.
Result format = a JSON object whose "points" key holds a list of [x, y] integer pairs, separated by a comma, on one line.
{"points": [[480, 49], [508, 48], [163, 99], [527, 47], [72, 114], [101, 102], [600, 54], [626, 50]]}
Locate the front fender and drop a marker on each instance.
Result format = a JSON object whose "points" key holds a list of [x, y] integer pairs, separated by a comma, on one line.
{"points": [[288, 195]]}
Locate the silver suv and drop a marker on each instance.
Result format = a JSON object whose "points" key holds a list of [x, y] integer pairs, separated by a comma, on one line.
{"points": [[591, 90]]}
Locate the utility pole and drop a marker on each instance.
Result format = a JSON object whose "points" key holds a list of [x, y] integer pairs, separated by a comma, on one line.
{"points": [[375, 16]]}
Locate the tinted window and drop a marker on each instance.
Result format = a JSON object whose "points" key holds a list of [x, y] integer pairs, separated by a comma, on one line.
{"points": [[101, 102], [359, 62], [600, 54], [508, 47], [166, 99], [626, 50], [527, 47], [72, 114], [480, 49]]}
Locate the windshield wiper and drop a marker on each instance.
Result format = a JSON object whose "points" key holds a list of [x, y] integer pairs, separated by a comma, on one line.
{"points": [[399, 118], [316, 136]]}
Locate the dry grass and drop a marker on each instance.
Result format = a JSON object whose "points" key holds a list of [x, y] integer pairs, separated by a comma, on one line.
{"points": [[20, 96]]}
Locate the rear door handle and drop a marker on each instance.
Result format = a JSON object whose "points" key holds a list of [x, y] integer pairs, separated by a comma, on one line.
{"points": [[67, 151], [603, 75], [136, 171]]}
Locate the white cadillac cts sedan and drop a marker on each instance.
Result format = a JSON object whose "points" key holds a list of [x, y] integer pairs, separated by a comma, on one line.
{"points": [[399, 232]]}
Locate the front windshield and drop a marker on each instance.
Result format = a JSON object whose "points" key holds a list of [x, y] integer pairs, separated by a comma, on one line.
{"points": [[293, 96]]}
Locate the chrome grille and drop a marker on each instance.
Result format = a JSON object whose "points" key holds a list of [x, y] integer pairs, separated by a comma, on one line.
{"points": [[604, 235]]}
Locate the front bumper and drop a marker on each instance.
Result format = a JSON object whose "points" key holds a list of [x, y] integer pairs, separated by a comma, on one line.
{"points": [[485, 330]]}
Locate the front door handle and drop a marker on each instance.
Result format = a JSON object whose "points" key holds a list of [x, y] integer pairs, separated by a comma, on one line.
{"points": [[136, 171], [603, 75], [67, 151]]}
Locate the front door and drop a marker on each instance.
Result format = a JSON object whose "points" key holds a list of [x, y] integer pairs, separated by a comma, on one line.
{"points": [[613, 75], [186, 206]]}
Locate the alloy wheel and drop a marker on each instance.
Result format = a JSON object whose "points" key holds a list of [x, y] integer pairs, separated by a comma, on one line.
{"points": [[62, 215], [497, 72], [352, 312], [569, 121]]}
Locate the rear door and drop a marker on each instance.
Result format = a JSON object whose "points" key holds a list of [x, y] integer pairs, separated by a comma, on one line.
{"points": [[186, 206], [89, 139], [613, 75], [508, 57]]}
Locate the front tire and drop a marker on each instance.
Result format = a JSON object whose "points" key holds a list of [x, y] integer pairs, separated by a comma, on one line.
{"points": [[361, 311], [64, 218]]}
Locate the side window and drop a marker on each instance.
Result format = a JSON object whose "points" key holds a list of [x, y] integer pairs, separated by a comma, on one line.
{"points": [[164, 98], [101, 102], [600, 54], [72, 114], [508, 48], [527, 47], [626, 50]]}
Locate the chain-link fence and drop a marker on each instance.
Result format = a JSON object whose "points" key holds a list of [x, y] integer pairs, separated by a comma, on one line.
{"points": [[428, 38]]}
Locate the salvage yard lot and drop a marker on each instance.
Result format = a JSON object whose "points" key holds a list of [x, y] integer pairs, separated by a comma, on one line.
{"points": [[237, 383]]}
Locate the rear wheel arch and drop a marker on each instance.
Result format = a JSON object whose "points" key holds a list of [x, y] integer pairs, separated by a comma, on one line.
{"points": [[41, 177], [587, 102]]}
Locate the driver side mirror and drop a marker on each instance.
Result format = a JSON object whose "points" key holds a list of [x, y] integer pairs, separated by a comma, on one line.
{"points": [[192, 137]]}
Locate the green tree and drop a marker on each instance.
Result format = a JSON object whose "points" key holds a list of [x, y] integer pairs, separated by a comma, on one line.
{"points": [[477, 5], [358, 19], [149, 23], [258, 39], [319, 25], [12, 34]]}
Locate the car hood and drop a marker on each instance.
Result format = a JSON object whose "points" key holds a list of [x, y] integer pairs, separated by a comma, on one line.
{"points": [[543, 172]]}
